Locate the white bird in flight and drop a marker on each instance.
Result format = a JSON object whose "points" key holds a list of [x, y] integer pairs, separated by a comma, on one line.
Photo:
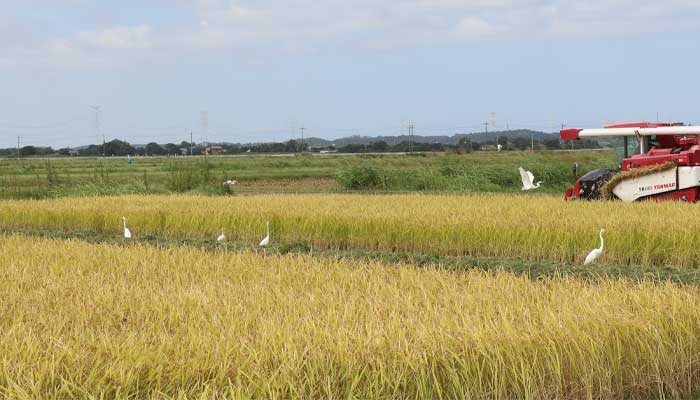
{"points": [[266, 241], [221, 237], [595, 253], [528, 179], [127, 232]]}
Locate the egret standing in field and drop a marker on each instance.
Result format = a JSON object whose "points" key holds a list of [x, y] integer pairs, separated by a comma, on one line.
{"points": [[127, 232], [528, 179], [266, 240], [221, 237], [595, 253], [230, 184]]}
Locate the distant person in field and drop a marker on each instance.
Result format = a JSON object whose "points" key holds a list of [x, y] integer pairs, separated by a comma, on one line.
{"points": [[575, 169]]}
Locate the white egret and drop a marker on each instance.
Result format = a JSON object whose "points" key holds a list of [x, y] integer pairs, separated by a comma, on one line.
{"points": [[266, 241], [528, 179], [595, 253], [221, 237], [127, 232], [230, 182]]}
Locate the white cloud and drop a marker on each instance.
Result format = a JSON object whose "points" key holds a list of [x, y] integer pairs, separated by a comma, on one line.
{"points": [[472, 27], [85, 48], [299, 24], [404, 21], [119, 38]]}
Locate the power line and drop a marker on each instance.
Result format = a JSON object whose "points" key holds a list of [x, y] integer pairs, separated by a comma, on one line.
{"points": [[61, 124]]}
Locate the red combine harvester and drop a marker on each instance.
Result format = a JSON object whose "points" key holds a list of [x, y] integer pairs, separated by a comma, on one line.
{"points": [[665, 166]]}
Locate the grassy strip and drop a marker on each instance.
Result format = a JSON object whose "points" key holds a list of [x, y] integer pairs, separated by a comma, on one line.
{"points": [[482, 171], [530, 269]]}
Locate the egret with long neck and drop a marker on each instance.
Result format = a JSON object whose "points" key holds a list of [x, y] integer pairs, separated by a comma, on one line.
{"points": [[595, 253], [266, 240], [127, 232], [528, 179]]}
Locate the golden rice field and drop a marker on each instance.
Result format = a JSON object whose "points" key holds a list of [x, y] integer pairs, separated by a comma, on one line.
{"points": [[95, 321], [529, 227]]}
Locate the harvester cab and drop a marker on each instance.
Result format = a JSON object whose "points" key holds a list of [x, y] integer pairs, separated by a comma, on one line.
{"points": [[664, 166]]}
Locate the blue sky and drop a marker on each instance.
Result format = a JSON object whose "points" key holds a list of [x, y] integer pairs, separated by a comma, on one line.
{"points": [[263, 68]]}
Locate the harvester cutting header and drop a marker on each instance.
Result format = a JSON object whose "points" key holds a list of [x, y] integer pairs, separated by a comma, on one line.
{"points": [[665, 164]]}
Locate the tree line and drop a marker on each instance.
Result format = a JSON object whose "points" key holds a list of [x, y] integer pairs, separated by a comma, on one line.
{"points": [[118, 147]]}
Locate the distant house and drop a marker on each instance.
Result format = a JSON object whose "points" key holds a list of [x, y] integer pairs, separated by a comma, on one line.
{"points": [[214, 150], [323, 150]]}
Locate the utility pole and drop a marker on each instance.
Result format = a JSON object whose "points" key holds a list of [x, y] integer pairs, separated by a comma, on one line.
{"points": [[204, 120], [17, 148], [572, 142], [191, 145], [409, 138], [486, 132], [302, 138]]}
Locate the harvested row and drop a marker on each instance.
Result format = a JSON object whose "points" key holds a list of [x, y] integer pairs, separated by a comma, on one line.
{"points": [[535, 228], [82, 320]]}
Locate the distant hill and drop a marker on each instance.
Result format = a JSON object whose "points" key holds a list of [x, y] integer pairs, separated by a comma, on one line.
{"points": [[476, 137]]}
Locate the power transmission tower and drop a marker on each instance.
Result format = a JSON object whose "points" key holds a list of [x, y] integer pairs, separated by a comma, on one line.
{"points": [[302, 138], [97, 109]]}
